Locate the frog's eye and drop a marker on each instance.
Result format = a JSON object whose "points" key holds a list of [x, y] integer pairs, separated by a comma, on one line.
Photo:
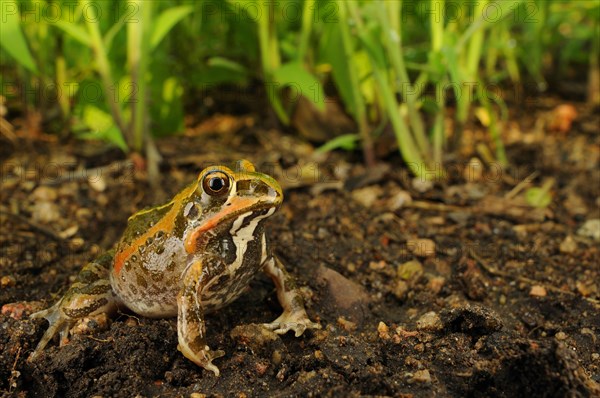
{"points": [[216, 183]]}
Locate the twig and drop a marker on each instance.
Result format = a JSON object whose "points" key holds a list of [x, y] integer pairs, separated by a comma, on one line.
{"points": [[14, 373], [521, 185], [84, 174], [496, 272], [39, 228]]}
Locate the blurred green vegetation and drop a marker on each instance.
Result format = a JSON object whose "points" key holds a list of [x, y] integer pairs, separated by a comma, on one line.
{"points": [[122, 71]]}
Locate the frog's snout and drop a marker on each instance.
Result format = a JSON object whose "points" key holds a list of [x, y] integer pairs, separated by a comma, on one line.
{"points": [[268, 190]]}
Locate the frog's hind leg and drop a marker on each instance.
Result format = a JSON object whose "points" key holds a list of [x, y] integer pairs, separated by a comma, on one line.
{"points": [[90, 294], [294, 315]]}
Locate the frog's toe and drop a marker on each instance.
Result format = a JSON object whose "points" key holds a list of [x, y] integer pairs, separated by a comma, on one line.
{"points": [[58, 325], [287, 322], [203, 357]]}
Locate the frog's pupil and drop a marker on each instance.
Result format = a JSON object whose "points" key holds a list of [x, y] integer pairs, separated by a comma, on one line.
{"points": [[216, 184]]}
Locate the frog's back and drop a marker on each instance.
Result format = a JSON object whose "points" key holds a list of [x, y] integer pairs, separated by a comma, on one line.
{"points": [[149, 261]]}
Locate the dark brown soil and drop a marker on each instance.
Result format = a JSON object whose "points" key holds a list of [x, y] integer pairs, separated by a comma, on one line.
{"points": [[506, 304]]}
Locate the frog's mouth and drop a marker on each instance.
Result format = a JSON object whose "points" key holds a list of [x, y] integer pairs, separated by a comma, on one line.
{"points": [[237, 207]]}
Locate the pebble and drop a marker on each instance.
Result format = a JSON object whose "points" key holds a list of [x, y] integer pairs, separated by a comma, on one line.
{"points": [[398, 200], [97, 183], [586, 288], [538, 291], [7, 281], [410, 270], [429, 321], [44, 194], [345, 324], [45, 212], [400, 289], [568, 245], [421, 185], [383, 330], [474, 170], [254, 336], [421, 376], [421, 247], [590, 229], [367, 196], [345, 297], [560, 336]]}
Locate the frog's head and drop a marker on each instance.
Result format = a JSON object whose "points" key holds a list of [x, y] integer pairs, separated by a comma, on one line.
{"points": [[225, 197]]}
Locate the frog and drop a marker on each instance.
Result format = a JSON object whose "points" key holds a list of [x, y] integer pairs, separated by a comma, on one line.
{"points": [[187, 258]]}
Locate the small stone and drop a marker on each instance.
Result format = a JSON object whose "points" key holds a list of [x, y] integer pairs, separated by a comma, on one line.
{"points": [[436, 284], [590, 229], [429, 321], [401, 289], [276, 357], [586, 288], [377, 265], [560, 336], [256, 337], [421, 376], [319, 355], [421, 247], [7, 281], [421, 185], [69, 232], [383, 330], [345, 324], [568, 245], [367, 196], [261, 368], [45, 212], [197, 395], [342, 296], [91, 324], [398, 201], [538, 291], [44, 194], [410, 270], [474, 170]]}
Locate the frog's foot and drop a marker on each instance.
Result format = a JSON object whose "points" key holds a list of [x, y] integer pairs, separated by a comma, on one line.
{"points": [[59, 323], [90, 294], [296, 321], [203, 357]]}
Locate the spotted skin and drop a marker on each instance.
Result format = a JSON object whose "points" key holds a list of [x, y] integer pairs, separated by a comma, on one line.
{"points": [[186, 258]]}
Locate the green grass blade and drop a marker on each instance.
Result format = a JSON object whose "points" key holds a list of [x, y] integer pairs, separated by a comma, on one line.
{"points": [[165, 22], [13, 40]]}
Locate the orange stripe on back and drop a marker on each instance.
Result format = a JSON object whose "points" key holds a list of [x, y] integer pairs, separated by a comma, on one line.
{"points": [[167, 223]]}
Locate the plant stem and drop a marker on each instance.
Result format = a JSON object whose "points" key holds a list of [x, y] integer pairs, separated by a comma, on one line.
{"points": [[393, 44], [103, 67], [270, 59], [138, 48], [408, 149], [307, 23], [360, 111]]}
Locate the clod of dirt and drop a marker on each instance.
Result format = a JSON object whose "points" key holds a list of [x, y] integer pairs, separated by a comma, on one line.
{"points": [[343, 297], [421, 247], [429, 321], [257, 338], [475, 321], [568, 245], [590, 229]]}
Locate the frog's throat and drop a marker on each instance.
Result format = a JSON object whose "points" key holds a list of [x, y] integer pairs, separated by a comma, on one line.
{"points": [[236, 206]]}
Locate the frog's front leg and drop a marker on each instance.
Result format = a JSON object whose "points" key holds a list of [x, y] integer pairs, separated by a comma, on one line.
{"points": [[294, 315], [90, 294], [190, 318]]}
